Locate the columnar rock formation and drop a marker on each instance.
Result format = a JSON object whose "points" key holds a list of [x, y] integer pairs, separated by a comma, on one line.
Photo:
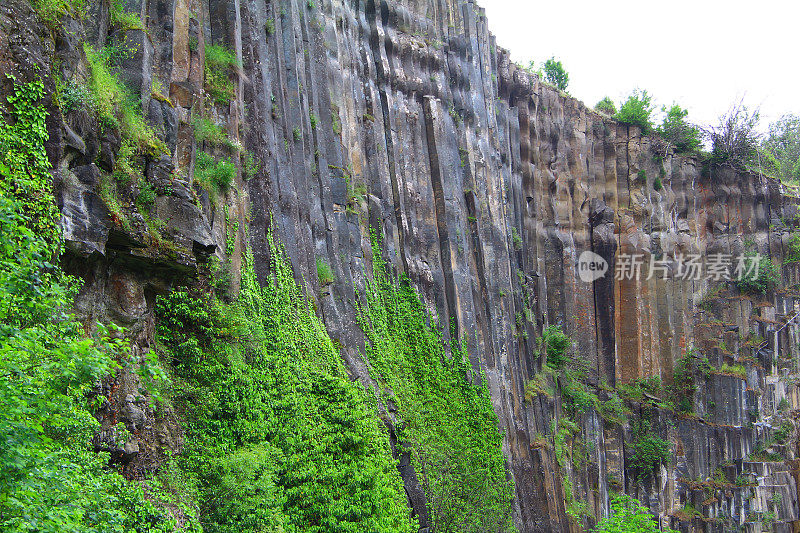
{"points": [[486, 185]]}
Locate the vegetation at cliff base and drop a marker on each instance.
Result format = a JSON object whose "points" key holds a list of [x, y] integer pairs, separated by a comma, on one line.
{"points": [[445, 408], [279, 438], [50, 478]]}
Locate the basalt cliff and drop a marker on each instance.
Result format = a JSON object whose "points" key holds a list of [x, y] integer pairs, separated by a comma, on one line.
{"points": [[344, 120]]}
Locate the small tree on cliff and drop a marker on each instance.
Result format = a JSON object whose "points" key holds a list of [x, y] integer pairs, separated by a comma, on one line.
{"points": [[555, 74], [781, 148], [734, 139], [676, 130], [637, 111], [606, 105]]}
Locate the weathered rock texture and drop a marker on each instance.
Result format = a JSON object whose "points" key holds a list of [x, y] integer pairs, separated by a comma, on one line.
{"points": [[486, 185]]}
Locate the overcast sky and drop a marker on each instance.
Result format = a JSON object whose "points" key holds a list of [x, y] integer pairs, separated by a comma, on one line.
{"points": [[703, 54]]}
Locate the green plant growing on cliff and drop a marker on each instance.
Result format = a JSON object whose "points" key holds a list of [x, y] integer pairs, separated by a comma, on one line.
{"points": [[758, 275], [324, 272], [657, 185], [516, 240], [52, 11], [556, 74], [629, 516], [278, 435], [648, 452], [451, 427], [556, 343], [781, 148], [735, 139], [50, 362], [269, 27], [641, 177], [606, 105], [677, 131], [206, 130], [637, 111], [117, 108], [122, 20], [220, 65], [214, 175]]}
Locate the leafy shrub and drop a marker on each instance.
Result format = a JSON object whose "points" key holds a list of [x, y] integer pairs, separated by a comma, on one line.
{"points": [[556, 344], [74, 96], [576, 397], [614, 410], [516, 240], [555, 74], [759, 275], [648, 452], [628, 516], [324, 272], [657, 185], [641, 177], [213, 174], [637, 110], [781, 147], [677, 131], [606, 105], [735, 139]]}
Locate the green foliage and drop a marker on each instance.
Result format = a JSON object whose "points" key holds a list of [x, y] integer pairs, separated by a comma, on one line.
{"points": [[516, 239], [297, 134], [52, 11], [556, 344], [313, 119], [606, 105], [50, 480], [73, 96], [677, 131], [279, 437], [220, 64], [450, 424], [629, 516], [614, 410], [324, 272], [269, 27], [207, 131], [23, 134], [214, 175], [735, 140], [641, 177], [648, 452], [575, 396], [793, 252], [636, 111], [781, 147], [555, 74], [118, 108], [122, 20], [637, 388], [759, 275], [657, 185], [736, 370]]}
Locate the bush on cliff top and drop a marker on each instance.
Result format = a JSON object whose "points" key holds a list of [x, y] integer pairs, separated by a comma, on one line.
{"points": [[637, 111]]}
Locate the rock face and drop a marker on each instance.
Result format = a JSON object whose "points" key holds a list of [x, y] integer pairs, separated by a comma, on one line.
{"points": [[487, 186]]}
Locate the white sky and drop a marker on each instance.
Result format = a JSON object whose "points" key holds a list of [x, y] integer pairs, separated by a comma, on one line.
{"points": [[703, 54]]}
